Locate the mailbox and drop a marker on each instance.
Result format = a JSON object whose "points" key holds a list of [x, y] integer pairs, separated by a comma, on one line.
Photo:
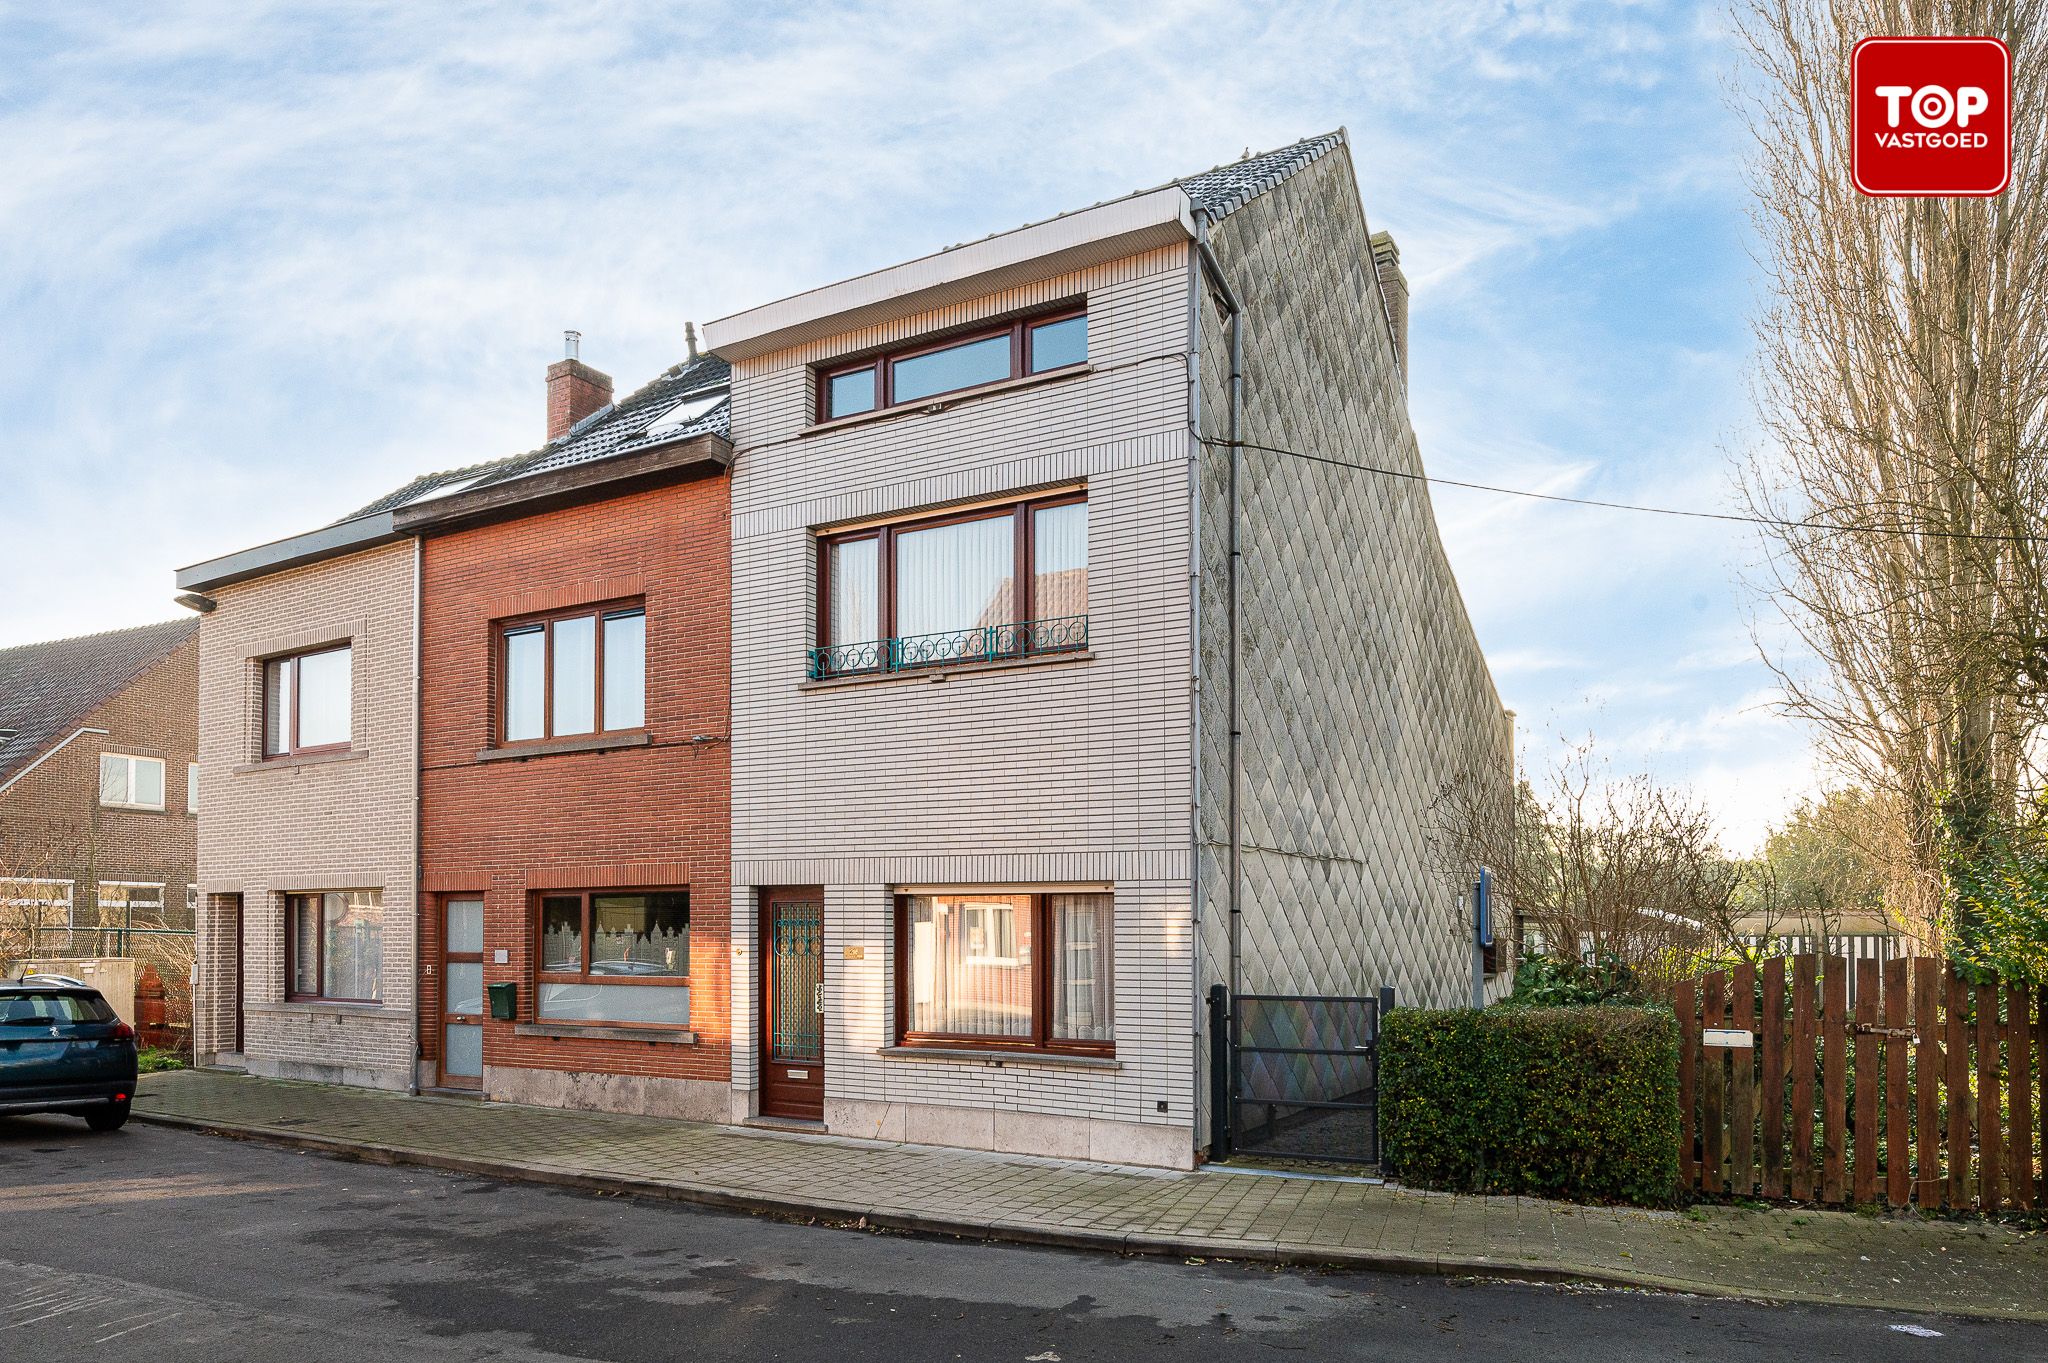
{"points": [[504, 1000]]}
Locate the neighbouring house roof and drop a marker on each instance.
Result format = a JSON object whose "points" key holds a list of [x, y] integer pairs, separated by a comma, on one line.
{"points": [[47, 689], [1105, 231]]}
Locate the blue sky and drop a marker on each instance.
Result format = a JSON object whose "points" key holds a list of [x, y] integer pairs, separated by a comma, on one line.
{"points": [[263, 262]]}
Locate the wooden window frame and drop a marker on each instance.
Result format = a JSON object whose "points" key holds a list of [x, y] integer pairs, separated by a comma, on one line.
{"points": [[502, 632], [583, 976], [884, 362], [291, 746], [294, 994], [1041, 1041], [1023, 572]]}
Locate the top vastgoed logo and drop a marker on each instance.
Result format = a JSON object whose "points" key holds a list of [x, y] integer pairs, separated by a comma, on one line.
{"points": [[1931, 117]]}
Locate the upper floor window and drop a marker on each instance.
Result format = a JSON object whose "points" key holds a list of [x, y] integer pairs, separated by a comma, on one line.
{"points": [[191, 787], [579, 672], [131, 782], [994, 582], [307, 699], [1034, 345]]}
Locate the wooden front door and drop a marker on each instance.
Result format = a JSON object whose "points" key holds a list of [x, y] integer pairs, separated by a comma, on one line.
{"points": [[793, 1004]]}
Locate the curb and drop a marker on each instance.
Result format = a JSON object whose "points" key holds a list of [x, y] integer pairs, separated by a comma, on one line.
{"points": [[1129, 1242]]}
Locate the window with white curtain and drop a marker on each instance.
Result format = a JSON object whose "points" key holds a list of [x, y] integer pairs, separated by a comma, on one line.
{"points": [[1034, 971], [958, 586]]}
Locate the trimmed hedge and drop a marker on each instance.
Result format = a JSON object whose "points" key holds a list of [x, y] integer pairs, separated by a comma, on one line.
{"points": [[1578, 1103]]}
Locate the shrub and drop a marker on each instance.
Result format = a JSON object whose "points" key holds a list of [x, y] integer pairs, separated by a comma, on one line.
{"points": [[1579, 1103], [1544, 982]]}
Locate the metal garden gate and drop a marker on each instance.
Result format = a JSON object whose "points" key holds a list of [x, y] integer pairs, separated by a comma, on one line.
{"points": [[1297, 1076]]}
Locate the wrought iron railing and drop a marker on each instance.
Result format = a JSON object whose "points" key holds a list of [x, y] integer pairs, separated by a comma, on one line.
{"points": [[983, 643]]}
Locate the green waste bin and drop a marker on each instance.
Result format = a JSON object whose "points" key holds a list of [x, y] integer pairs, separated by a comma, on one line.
{"points": [[504, 1000]]}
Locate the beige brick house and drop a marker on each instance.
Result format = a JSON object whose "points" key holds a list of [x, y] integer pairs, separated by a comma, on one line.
{"points": [[981, 676], [308, 752]]}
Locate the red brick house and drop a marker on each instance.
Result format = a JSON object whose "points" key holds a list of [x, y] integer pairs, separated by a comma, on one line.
{"points": [[98, 745], [574, 648]]}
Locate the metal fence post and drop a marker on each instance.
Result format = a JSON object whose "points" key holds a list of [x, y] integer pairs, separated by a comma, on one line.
{"points": [[1219, 1072]]}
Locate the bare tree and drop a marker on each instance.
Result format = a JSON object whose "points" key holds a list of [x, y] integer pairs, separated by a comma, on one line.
{"points": [[1617, 866], [1902, 392]]}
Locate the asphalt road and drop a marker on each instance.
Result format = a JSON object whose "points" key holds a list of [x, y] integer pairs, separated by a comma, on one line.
{"points": [[169, 1246]]}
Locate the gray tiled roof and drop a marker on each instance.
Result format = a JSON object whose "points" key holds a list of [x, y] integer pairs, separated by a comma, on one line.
{"points": [[46, 689], [617, 429], [1230, 187]]}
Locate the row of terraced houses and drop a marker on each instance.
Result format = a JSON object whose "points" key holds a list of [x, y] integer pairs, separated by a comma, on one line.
{"points": [[845, 728]]}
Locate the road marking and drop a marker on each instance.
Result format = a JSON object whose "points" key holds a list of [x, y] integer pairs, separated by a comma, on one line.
{"points": [[1918, 1331]]}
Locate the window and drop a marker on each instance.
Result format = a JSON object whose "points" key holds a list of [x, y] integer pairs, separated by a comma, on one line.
{"points": [[999, 582], [191, 787], [130, 903], [615, 956], [334, 945], [131, 782], [579, 673], [35, 904], [1035, 345], [1019, 970], [307, 700]]}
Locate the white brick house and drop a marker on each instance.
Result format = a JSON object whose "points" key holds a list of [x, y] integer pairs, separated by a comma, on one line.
{"points": [[981, 708]]}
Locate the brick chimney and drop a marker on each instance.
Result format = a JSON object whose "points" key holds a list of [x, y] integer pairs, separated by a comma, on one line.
{"points": [[1386, 260], [575, 390]]}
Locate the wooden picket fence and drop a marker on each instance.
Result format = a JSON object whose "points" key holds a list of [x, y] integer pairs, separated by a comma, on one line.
{"points": [[1932, 1092]]}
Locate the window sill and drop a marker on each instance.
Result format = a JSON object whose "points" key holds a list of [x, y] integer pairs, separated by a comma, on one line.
{"points": [[317, 1007], [549, 747], [597, 1031], [132, 809], [316, 759], [942, 401], [997, 1056], [940, 672]]}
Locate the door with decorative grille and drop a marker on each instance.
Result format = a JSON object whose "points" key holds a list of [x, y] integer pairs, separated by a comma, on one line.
{"points": [[793, 1004]]}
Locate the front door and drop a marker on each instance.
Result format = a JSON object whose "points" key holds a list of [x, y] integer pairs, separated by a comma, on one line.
{"points": [[462, 993], [793, 1004]]}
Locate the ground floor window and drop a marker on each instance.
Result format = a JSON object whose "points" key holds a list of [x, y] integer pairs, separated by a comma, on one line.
{"points": [[614, 956], [1033, 971], [334, 945]]}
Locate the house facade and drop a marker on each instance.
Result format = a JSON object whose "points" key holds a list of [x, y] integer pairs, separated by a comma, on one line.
{"points": [[981, 684], [574, 763], [99, 800], [896, 720], [307, 837]]}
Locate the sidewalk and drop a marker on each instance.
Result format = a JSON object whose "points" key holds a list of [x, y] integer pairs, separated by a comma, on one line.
{"points": [[1968, 1269]]}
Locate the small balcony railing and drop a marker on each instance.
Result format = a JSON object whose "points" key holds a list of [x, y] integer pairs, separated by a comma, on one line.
{"points": [[983, 643]]}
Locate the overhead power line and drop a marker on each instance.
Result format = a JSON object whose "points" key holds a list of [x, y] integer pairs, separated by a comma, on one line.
{"points": [[1832, 526]]}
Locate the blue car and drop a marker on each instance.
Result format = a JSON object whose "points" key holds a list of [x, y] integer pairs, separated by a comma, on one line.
{"points": [[62, 1049]]}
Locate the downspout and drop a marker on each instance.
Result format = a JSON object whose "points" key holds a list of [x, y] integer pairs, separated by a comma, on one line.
{"points": [[1234, 798], [419, 1017], [1200, 1079]]}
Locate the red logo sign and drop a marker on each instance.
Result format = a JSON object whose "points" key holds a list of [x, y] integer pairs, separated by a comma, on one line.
{"points": [[1931, 117]]}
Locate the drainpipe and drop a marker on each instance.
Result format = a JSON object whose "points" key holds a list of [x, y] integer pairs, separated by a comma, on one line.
{"points": [[412, 1078], [1214, 270]]}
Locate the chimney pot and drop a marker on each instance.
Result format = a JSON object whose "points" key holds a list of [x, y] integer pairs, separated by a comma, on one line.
{"points": [[575, 390], [1386, 260], [690, 338]]}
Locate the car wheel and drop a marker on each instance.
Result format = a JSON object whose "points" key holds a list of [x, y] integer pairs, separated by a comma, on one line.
{"points": [[109, 1118]]}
